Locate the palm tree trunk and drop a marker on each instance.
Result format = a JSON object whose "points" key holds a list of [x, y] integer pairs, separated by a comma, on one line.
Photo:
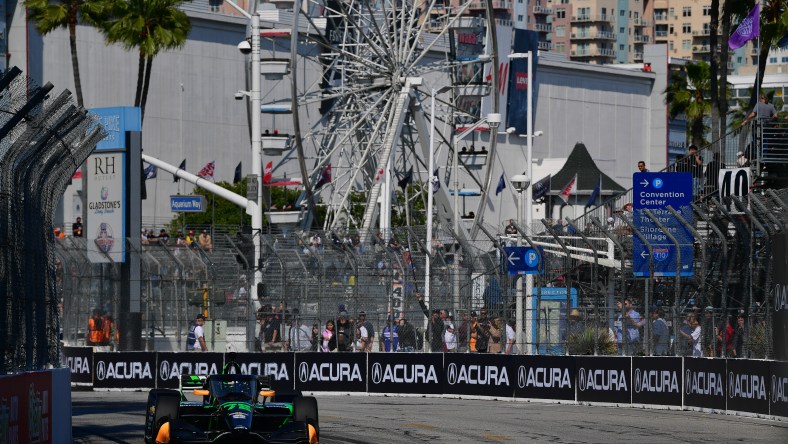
{"points": [[140, 79], [723, 100], [714, 69], [72, 40], [146, 86]]}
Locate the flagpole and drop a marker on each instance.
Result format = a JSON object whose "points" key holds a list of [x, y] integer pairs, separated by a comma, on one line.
{"points": [[155, 202]]}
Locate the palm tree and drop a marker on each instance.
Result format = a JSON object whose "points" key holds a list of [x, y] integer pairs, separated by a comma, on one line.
{"points": [[688, 93], [49, 15], [150, 26], [774, 24]]}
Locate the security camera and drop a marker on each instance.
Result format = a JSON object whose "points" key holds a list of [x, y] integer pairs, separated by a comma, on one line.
{"points": [[239, 95], [538, 133], [245, 47], [511, 130]]}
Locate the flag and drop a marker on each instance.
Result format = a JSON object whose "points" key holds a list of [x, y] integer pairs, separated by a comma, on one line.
{"points": [[207, 170], [436, 182], [406, 180], [501, 185], [181, 167], [594, 194], [150, 172], [325, 177], [748, 29], [268, 173], [568, 190], [539, 189], [237, 177]]}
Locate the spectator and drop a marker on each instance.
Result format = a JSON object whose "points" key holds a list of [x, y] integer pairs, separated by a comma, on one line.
{"points": [[76, 228], [269, 329], [464, 333], [394, 244], [713, 172], [763, 110], [692, 163], [473, 332], [407, 336], [206, 243], [164, 238], [180, 241], [660, 336], [642, 167], [450, 339], [511, 341], [299, 338], [190, 239], [725, 336], [95, 330], [316, 339], [741, 160], [494, 346], [483, 331], [510, 228], [144, 236], [708, 328], [344, 332], [389, 337], [362, 321], [436, 325], [110, 330], [628, 321], [739, 336], [196, 338], [59, 234], [692, 336], [575, 324], [362, 338], [329, 343]]}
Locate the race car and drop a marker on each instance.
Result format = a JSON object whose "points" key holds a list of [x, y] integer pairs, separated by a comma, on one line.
{"points": [[234, 408]]}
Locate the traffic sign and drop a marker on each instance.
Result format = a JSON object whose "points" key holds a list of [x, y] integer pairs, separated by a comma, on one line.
{"points": [[188, 204], [523, 260], [655, 192]]}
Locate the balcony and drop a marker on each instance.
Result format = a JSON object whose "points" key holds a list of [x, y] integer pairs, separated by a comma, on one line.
{"points": [[642, 39], [538, 9], [496, 4], [641, 23], [543, 27], [702, 49], [593, 18], [595, 35], [638, 56], [545, 46], [661, 34], [703, 33], [661, 17], [593, 52]]}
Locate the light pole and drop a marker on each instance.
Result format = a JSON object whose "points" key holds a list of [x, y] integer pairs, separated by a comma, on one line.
{"points": [[255, 207], [520, 182]]}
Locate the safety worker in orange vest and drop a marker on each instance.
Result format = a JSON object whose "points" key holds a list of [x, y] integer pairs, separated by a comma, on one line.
{"points": [[110, 332], [95, 328]]}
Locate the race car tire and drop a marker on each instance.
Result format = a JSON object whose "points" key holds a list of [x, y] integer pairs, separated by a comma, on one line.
{"points": [[163, 405], [305, 410]]}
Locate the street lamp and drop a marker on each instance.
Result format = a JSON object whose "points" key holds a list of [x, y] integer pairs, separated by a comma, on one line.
{"points": [[520, 182]]}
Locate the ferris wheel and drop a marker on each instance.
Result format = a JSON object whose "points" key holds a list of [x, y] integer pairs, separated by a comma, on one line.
{"points": [[361, 74]]}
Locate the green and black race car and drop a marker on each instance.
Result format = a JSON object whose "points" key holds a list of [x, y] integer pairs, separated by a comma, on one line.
{"points": [[234, 409]]}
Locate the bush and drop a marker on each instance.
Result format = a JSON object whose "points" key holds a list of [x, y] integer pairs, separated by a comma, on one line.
{"points": [[582, 343]]}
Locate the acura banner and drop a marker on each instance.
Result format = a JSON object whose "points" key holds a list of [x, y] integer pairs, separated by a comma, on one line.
{"points": [[124, 370], [656, 380], [331, 372], [545, 377], [406, 373], [603, 379]]}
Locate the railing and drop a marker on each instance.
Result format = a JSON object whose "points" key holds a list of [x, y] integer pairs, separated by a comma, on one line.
{"points": [[701, 49], [705, 32], [593, 18], [597, 35], [774, 138], [593, 52], [642, 39], [641, 23], [545, 46], [661, 17], [538, 9], [661, 33], [543, 27]]}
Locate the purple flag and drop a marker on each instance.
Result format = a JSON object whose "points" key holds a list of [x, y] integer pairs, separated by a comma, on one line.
{"points": [[748, 29]]}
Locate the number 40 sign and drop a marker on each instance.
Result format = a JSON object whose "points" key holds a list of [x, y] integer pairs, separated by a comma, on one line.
{"points": [[733, 182]]}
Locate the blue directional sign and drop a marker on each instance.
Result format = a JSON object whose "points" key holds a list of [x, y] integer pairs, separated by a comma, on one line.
{"points": [[523, 260], [655, 192], [188, 204]]}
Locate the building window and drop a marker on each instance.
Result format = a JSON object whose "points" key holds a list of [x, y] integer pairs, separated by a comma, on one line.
{"points": [[561, 13], [784, 60], [707, 11], [622, 30], [672, 12], [622, 13], [686, 44], [560, 31], [772, 59], [670, 29], [519, 17], [560, 47], [670, 44], [621, 47], [686, 11], [738, 60], [604, 11], [686, 28]]}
